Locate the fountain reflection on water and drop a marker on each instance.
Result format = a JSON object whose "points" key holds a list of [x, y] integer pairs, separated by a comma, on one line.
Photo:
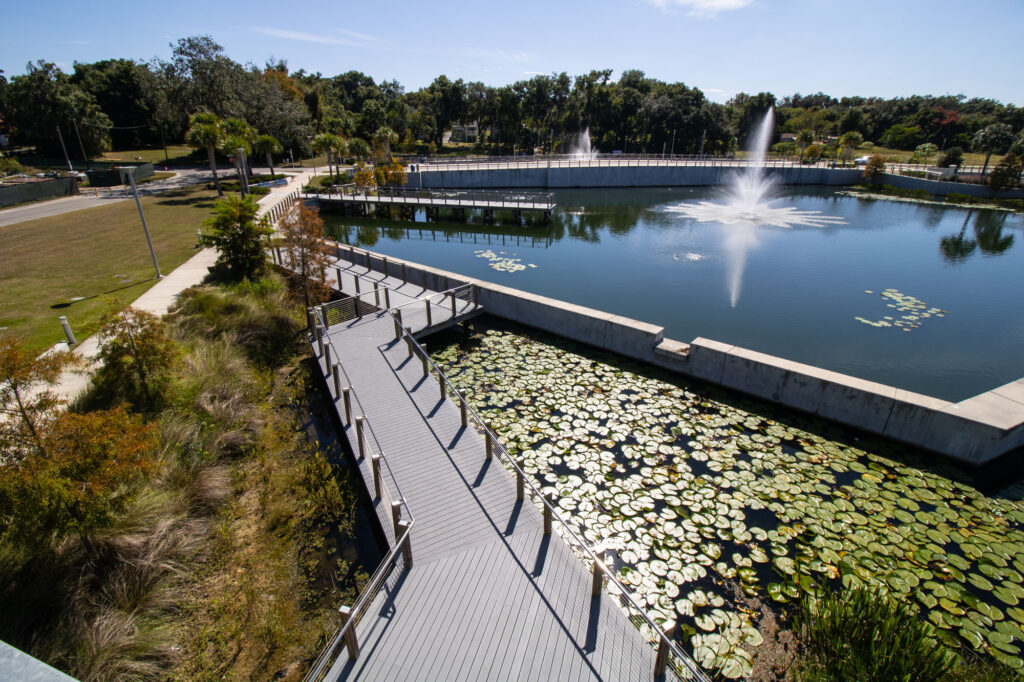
{"points": [[749, 205]]}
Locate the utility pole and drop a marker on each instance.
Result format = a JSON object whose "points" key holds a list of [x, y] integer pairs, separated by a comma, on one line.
{"points": [[80, 145], [63, 148], [145, 228], [673, 152]]}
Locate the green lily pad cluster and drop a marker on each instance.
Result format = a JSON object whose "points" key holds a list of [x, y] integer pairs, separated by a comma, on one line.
{"points": [[503, 263], [696, 494], [915, 311]]}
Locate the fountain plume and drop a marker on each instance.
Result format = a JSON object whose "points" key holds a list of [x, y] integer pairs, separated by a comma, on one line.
{"points": [[748, 205], [582, 148]]}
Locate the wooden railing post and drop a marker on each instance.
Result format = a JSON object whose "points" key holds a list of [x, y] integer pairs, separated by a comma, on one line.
{"points": [[376, 294], [384, 266], [405, 276], [549, 515], [387, 298], [408, 341], [337, 271], [426, 368], [520, 479], [488, 442], [440, 385], [598, 583], [359, 436], [336, 371], [327, 355], [375, 466], [351, 640], [462, 412], [319, 340], [346, 394], [398, 324], [427, 302], [661, 660], [453, 304], [355, 280]]}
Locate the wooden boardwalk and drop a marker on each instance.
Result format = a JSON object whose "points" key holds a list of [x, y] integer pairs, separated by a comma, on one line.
{"points": [[488, 594]]}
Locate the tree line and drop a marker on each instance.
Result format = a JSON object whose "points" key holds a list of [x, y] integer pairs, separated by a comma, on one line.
{"points": [[127, 104]]}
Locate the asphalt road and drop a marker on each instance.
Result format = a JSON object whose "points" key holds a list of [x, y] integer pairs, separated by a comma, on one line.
{"points": [[90, 197]]}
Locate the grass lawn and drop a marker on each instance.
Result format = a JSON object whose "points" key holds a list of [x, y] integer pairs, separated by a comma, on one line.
{"points": [[99, 254], [180, 155]]}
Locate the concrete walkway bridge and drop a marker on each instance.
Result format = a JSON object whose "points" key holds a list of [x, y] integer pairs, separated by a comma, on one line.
{"points": [[405, 202], [484, 578]]}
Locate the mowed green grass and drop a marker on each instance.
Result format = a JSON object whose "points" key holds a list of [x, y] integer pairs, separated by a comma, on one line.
{"points": [[99, 254], [177, 155]]}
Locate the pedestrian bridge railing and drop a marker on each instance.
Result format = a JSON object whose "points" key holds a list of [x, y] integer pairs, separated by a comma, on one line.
{"points": [[386, 491], [669, 655]]}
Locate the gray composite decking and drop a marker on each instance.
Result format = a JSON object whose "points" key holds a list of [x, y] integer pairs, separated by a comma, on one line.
{"points": [[488, 595]]}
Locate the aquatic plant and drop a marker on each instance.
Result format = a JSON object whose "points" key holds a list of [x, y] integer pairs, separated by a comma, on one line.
{"points": [[694, 491]]}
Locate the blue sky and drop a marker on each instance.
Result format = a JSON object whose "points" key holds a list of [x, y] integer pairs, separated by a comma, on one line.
{"points": [[868, 47]]}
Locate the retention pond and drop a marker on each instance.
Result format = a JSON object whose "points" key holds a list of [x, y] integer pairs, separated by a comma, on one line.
{"points": [[922, 297]]}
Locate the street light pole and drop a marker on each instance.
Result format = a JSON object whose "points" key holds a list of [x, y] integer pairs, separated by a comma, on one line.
{"points": [[145, 228], [64, 149]]}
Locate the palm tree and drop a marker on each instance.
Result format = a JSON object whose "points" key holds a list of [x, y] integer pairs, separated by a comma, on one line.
{"points": [[993, 138], [241, 133], [382, 140], [331, 145], [804, 138], [204, 133], [268, 144], [357, 147]]}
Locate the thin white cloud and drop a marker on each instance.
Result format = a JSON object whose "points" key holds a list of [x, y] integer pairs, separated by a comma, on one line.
{"points": [[703, 8], [358, 36], [535, 73], [353, 39]]}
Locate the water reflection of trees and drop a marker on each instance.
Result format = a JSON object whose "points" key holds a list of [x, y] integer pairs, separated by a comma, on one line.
{"points": [[988, 237]]}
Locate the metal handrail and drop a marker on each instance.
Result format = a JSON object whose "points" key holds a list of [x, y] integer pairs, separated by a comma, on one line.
{"points": [[508, 199], [659, 633], [372, 587]]}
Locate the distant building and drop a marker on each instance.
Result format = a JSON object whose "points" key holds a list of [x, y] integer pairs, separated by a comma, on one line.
{"points": [[468, 132]]}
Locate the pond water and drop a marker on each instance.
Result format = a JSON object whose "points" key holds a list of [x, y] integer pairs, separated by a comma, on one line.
{"points": [[707, 500], [923, 297]]}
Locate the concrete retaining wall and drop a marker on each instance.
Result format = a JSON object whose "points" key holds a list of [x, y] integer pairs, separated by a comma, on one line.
{"points": [[616, 176], [942, 188], [974, 431]]}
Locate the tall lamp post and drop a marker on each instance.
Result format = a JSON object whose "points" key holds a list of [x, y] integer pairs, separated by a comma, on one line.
{"points": [[145, 228]]}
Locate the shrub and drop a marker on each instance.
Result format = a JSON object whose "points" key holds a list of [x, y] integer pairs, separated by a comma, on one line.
{"points": [[236, 233], [812, 153], [1006, 174], [864, 634], [954, 156], [873, 170], [261, 326]]}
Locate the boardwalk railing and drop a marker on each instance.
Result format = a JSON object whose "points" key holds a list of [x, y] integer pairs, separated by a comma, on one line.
{"points": [[367, 447], [440, 197], [668, 653]]}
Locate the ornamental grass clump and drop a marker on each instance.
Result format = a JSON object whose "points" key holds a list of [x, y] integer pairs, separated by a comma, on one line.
{"points": [[864, 634]]}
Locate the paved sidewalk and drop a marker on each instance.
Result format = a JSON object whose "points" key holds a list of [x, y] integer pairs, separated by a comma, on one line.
{"points": [[160, 297]]}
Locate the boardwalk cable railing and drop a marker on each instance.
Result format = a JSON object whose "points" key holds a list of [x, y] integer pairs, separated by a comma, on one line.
{"points": [[667, 648], [367, 446]]}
